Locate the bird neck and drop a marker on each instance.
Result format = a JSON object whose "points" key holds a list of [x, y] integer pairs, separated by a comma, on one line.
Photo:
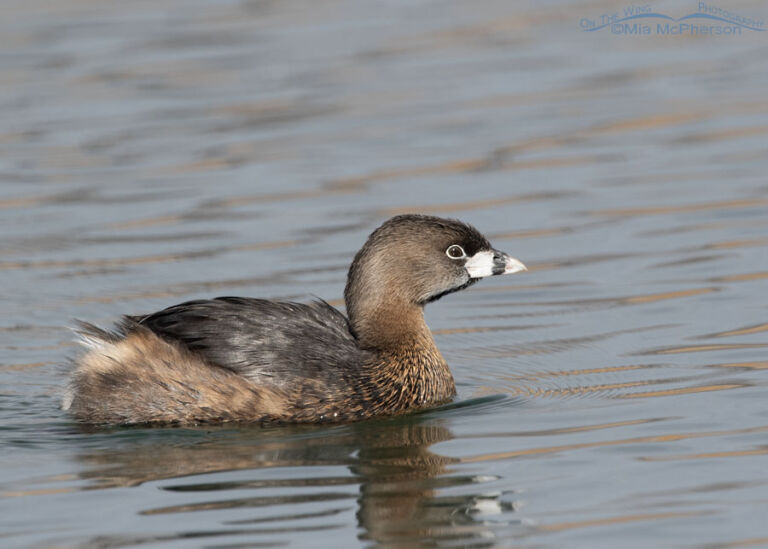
{"points": [[407, 369], [388, 324]]}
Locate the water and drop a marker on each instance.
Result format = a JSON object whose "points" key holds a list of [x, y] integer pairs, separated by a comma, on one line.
{"points": [[154, 152]]}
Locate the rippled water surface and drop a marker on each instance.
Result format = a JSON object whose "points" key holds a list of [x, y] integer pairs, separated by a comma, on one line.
{"points": [[615, 395]]}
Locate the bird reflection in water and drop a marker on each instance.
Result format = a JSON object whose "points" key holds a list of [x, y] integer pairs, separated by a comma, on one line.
{"points": [[399, 503]]}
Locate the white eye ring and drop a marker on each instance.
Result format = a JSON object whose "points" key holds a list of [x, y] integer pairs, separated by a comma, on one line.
{"points": [[453, 249]]}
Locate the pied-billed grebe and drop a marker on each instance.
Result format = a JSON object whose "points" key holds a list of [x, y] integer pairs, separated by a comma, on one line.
{"points": [[255, 360]]}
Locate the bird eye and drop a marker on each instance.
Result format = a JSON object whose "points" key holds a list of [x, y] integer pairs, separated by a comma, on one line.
{"points": [[455, 252]]}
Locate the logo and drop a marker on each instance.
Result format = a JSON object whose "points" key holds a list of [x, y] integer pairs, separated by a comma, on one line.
{"points": [[641, 20]]}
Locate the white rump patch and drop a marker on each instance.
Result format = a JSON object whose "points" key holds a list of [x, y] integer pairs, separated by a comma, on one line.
{"points": [[66, 401], [90, 341]]}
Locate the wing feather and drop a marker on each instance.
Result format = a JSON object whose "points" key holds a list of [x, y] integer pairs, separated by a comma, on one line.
{"points": [[266, 341]]}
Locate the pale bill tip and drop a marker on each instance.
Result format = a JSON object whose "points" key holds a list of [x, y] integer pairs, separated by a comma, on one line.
{"points": [[514, 266]]}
